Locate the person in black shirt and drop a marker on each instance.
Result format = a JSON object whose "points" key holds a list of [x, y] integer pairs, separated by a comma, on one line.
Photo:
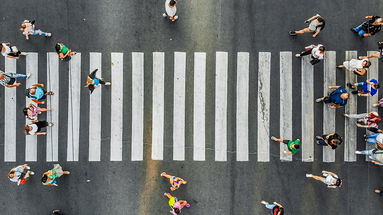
{"points": [[332, 140], [369, 27]]}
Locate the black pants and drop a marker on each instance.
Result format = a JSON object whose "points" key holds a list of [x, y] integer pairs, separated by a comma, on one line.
{"points": [[93, 76], [313, 60], [40, 125]]}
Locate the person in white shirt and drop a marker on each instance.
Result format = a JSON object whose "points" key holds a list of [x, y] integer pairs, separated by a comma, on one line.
{"points": [[331, 179], [170, 10], [316, 51]]}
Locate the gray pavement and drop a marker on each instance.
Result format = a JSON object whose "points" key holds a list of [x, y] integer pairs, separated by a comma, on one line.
{"points": [[224, 188]]}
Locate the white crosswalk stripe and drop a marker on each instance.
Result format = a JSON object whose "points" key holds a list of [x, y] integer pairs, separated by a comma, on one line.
{"points": [[155, 130]]}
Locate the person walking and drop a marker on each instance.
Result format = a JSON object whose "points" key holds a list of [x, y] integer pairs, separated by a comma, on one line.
{"points": [[375, 138], [375, 155], [338, 97], [275, 207], [11, 51], [175, 204], [35, 127], [369, 87], [63, 51], [358, 67], [31, 111], [174, 181], [366, 120], [316, 25], [29, 28], [170, 10], [37, 93], [315, 51], [332, 140], [369, 27], [20, 174], [378, 54], [9, 79], [94, 81], [331, 179], [292, 146], [50, 177]]}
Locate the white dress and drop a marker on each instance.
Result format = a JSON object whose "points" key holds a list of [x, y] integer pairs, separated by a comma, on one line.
{"points": [[170, 11], [354, 64]]}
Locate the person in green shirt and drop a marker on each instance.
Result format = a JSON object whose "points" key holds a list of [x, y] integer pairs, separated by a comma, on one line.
{"points": [[292, 146], [63, 51]]}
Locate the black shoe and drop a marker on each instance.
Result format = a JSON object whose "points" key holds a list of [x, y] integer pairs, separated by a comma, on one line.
{"points": [[354, 92], [318, 137], [349, 85], [292, 33]]}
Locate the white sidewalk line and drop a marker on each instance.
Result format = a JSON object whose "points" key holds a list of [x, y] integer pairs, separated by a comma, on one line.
{"points": [[158, 105], [242, 127], [117, 95], [329, 113], [74, 108], [199, 106], [179, 106], [10, 115], [307, 110], [263, 112], [52, 102], [221, 70], [286, 102], [31, 140], [373, 72], [137, 150], [95, 60], [351, 107]]}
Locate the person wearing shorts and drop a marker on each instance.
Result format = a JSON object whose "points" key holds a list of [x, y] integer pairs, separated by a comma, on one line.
{"points": [[338, 97], [174, 181], [36, 126], [316, 25], [368, 87], [329, 178], [292, 146], [37, 93]]}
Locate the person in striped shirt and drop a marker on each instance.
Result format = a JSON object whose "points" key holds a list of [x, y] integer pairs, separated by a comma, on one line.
{"points": [[9, 79]]}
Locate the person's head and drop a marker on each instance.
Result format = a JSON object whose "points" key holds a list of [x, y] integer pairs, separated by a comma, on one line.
{"points": [[336, 142], [375, 86], [44, 178], [338, 182], [177, 210], [378, 191], [23, 26], [32, 91], [296, 146], [322, 48], [11, 173], [366, 64], [172, 2], [320, 19], [58, 47], [344, 96], [2, 76], [27, 128]]}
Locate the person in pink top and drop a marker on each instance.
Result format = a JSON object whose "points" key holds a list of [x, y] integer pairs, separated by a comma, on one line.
{"points": [[175, 204], [31, 111]]}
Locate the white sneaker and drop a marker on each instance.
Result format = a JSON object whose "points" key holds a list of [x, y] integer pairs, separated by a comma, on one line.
{"points": [[175, 17], [264, 202], [164, 15], [23, 53], [28, 75], [298, 55], [50, 124], [346, 115], [49, 35], [309, 175], [108, 83], [28, 167], [358, 152], [31, 173], [318, 100]]}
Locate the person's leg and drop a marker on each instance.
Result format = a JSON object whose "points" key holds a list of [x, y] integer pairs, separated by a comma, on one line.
{"points": [[164, 174], [361, 33], [364, 152], [277, 139], [318, 178], [302, 31], [44, 109], [306, 52], [168, 195], [358, 28], [356, 116], [371, 140], [92, 75], [16, 75], [270, 206]]}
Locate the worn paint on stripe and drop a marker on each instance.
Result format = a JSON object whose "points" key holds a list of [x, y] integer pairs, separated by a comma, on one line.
{"points": [[137, 106], [179, 106], [263, 139], [286, 103], [117, 106], [242, 126], [199, 106], [158, 105], [10, 115]]}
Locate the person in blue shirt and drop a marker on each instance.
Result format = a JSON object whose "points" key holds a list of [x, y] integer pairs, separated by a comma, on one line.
{"points": [[338, 97], [37, 93], [368, 88], [94, 81]]}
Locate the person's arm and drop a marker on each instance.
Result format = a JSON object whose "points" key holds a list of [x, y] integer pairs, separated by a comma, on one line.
{"points": [[287, 153], [38, 85], [328, 172], [9, 56], [367, 35], [363, 126], [26, 32], [38, 102], [69, 51], [316, 33], [61, 56], [13, 85], [361, 73], [335, 106], [279, 205], [312, 18], [333, 87], [331, 186], [41, 133], [364, 94], [368, 17]]}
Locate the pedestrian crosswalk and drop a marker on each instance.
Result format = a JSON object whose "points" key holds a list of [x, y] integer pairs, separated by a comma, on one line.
{"points": [[238, 140]]}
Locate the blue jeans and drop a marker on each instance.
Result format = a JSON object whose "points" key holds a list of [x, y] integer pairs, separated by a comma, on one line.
{"points": [[39, 32], [372, 138], [16, 75], [359, 30], [270, 206]]}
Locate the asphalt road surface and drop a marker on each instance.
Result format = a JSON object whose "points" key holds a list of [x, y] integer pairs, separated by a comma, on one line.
{"points": [[227, 187]]}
